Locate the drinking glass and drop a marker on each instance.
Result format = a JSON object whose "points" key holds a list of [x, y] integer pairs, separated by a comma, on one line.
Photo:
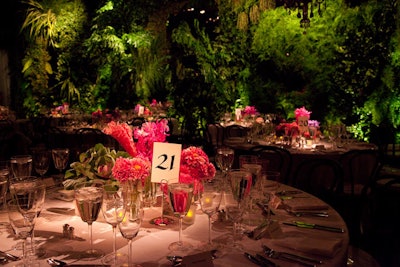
{"points": [[237, 199], [41, 161], [4, 178], [130, 225], [180, 199], [21, 189], [162, 220], [60, 158], [21, 165], [88, 200], [210, 200], [224, 159], [113, 210], [22, 219]]}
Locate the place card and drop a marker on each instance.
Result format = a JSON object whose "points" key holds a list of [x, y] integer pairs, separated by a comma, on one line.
{"points": [[166, 162]]}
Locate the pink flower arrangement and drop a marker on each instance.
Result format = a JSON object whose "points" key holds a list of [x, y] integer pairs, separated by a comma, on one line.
{"points": [[131, 169], [302, 112], [123, 134], [195, 166], [149, 133], [250, 110]]}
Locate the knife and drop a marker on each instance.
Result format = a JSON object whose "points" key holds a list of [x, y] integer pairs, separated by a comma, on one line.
{"points": [[9, 256], [315, 226], [254, 260]]}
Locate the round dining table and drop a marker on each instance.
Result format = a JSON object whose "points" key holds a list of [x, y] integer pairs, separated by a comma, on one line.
{"points": [[294, 228]]}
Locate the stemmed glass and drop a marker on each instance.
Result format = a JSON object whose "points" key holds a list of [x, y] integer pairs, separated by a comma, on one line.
{"points": [[237, 199], [180, 198], [4, 177], [60, 158], [210, 200], [113, 210], [20, 187], [41, 161], [224, 159], [162, 220], [88, 200], [21, 165], [130, 224], [23, 210]]}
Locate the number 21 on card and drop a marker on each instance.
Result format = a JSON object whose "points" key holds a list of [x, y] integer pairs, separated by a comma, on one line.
{"points": [[166, 162]]}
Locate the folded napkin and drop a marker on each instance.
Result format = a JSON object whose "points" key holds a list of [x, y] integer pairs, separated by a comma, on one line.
{"points": [[326, 247], [298, 204]]}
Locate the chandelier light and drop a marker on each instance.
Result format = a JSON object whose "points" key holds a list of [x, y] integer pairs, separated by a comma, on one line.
{"points": [[305, 9]]}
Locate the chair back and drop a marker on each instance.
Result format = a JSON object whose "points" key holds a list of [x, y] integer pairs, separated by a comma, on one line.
{"points": [[360, 168], [321, 177], [235, 131], [279, 159], [215, 135]]}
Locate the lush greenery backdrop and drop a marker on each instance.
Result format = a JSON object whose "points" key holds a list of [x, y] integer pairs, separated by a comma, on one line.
{"points": [[117, 53]]}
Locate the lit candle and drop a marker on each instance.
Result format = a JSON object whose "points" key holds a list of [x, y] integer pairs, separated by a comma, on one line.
{"points": [[190, 215]]}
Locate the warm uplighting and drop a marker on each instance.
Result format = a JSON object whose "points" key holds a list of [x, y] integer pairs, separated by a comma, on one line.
{"points": [[305, 9]]}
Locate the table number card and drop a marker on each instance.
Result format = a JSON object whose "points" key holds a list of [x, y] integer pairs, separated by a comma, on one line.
{"points": [[166, 162], [302, 121]]}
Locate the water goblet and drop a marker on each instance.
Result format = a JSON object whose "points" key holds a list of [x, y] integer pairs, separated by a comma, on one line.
{"points": [[88, 200], [41, 161], [210, 200], [130, 225], [113, 209], [21, 165], [180, 199], [4, 178]]}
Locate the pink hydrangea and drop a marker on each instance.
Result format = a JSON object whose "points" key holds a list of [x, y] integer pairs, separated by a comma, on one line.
{"points": [[149, 133], [123, 134], [131, 169], [250, 110]]}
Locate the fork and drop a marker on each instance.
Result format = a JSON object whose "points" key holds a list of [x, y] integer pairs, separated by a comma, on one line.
{"points": [[306, 261]]}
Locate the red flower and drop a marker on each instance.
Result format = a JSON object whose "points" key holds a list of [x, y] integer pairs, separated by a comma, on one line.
{"points": [[130, 169], [123, 134]]}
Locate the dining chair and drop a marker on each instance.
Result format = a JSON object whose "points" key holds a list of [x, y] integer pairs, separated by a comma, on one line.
{"points": [[215, 135], [321, 177], [360, 170], [279, 159], [235, 130], [89, 137]]}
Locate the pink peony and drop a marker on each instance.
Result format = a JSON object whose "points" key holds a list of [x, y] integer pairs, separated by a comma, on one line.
{"points": [[123, 134]]}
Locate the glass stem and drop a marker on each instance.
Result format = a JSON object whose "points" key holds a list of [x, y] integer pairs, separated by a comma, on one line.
{"points": [[180, 230], [33, 242], [90, 237], [114, 244], [209, 229], [24, 257], [130, 253]]}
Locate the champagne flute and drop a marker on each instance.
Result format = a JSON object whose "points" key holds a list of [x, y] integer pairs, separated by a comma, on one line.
{"points": [[130, 224], [180, 198], [210, 200], [41, 161], [88, 200], [113, 210]]}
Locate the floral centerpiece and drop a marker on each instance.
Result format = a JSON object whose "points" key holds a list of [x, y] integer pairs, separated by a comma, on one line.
{"points": [[134, 163]]}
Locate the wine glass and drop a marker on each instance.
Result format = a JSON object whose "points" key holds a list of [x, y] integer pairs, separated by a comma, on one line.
{"points": [[130, 224], [21, 165], [180, 198], [224, 159], [113, 209], [41, 161], [88, 200], [237, 199], [60, 158], [4, 177], [22, 221], [210, 200], [20, 187]]}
